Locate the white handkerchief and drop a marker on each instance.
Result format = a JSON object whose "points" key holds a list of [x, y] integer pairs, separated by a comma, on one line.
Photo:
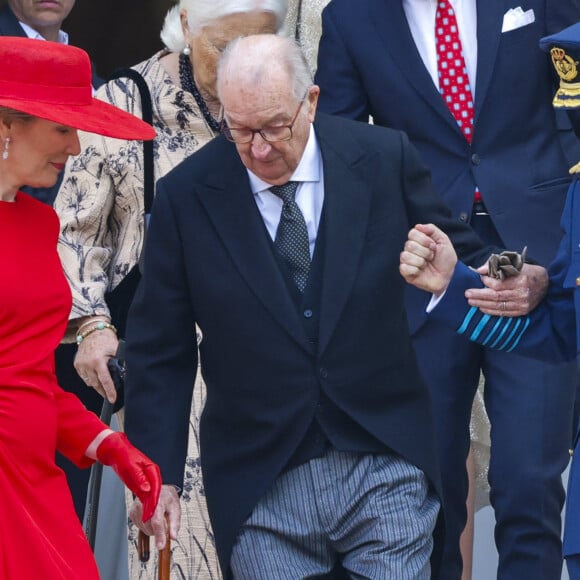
{"points": [[516, 18]]}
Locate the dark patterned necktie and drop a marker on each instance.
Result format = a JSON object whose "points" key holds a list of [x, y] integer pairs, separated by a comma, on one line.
{"points": [[292, 236]]}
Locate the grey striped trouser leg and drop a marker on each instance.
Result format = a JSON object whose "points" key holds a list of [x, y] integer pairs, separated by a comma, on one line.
{"points": [[375, 512]]}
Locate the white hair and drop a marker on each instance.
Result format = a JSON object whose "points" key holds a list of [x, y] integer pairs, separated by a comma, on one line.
{"points": [[243, 61], [200, 13]]}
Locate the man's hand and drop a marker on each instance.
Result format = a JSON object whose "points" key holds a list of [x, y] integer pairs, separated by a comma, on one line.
{"points": [[157, 525], [91, 361], [514, 296], [428, 259]]}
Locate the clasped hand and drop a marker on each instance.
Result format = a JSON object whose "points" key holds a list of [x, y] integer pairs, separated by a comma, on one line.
{"points": [[428, 261]]}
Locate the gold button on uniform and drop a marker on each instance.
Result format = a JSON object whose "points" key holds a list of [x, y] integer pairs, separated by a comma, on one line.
{"points": [[571, 452], [578, 281]]}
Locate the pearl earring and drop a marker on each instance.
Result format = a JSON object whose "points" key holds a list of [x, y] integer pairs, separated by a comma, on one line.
{"points": [[6, 145], [186, 50]]}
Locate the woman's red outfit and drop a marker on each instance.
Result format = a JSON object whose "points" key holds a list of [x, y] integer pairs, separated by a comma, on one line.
{"points": [[40, 534]]}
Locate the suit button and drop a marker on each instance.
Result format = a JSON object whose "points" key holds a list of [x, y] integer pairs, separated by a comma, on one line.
{"points": [[475, 159], [578, 281], [571, 452], [307, 313], [323, 373], [463, 216]]}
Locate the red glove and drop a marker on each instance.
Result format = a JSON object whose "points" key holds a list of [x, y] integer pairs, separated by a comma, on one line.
{"points": [[135, 469]]}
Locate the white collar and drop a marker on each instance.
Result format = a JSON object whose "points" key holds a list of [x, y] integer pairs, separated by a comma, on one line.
{"points": [[32, 33], [308, 169]]}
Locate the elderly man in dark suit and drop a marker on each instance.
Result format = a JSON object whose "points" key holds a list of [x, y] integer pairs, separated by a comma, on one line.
{"points": [[466, 81], [280, 240]]}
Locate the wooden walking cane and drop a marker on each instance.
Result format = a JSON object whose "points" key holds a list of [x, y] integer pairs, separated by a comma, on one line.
{"points": [[164, 555]]}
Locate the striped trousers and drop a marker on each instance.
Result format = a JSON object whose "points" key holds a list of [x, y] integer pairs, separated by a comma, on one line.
{"points": [[375, 513]]}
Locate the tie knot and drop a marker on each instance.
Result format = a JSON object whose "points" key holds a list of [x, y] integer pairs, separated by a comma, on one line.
{"points": [[286, 192]]}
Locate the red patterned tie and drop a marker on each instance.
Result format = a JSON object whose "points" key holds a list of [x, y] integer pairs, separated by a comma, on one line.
{"points": [[453, 79]]}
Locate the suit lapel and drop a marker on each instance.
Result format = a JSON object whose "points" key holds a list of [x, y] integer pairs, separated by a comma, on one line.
{"points": [[489, 23], [346, 205], [232, 209], [390, 22], [9, 25]]}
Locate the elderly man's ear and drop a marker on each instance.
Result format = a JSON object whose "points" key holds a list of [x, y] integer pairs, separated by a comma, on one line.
{"points": [[313, 94]]}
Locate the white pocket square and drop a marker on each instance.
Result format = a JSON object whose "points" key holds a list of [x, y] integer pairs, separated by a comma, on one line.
{"points": [[516, 18]]}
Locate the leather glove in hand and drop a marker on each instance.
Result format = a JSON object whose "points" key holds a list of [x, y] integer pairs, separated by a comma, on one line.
{"points": [[135, 469], [506, 264]]}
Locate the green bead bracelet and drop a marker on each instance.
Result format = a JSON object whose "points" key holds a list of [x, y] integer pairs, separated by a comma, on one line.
{"points": [[98, 326]]}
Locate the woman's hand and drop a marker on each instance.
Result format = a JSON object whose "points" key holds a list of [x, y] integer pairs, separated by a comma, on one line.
{"points": [[134, 468], [92, 357]]}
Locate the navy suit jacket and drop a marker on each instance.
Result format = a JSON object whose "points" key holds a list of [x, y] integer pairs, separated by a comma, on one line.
{"points": [[368, 64], [551, 332], [9, 25], [209, 261]]}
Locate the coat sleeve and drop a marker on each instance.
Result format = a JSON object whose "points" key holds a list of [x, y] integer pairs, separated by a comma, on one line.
{"points": [[77, 427], [161, 349], [550, 331], [547, 333], [425, 205]]}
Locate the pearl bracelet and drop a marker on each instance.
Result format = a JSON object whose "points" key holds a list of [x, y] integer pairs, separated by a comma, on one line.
{"points": [[97, 326]]}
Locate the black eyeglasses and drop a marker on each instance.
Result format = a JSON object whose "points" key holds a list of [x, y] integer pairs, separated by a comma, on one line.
{"points": [[270, 134]]}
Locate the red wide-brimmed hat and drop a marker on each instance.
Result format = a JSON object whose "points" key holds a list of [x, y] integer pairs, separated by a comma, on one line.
{"points": [[53, 81]]}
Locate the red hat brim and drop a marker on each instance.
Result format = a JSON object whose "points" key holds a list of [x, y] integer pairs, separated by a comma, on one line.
{"points": [[97, 117]]}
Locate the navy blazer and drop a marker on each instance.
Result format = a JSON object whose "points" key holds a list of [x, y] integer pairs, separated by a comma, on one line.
{"points": [[9, 25], [209, 261], [368, 64], [551, 332]]}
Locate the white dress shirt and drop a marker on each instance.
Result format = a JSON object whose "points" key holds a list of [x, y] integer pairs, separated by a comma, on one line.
{"points": [[309, 195], [421, 18], [31, 33]]}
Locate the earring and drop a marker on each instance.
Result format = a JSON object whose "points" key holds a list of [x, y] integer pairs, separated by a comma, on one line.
{"points": [[186, 50], [6, 145]]}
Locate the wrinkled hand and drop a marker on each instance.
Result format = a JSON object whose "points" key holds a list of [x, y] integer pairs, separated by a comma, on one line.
{"points": [[514, 296], [157, 525], [91, 362], [428, 259], [135, 469]]}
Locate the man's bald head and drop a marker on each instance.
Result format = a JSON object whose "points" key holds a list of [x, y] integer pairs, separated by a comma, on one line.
{"points": [[257, 60]]}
